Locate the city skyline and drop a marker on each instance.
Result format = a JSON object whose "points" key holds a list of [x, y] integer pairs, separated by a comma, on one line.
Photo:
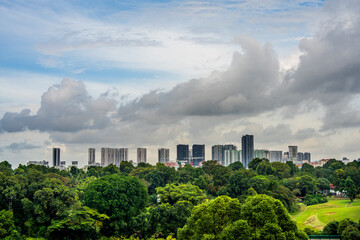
{"points": [[155, 74]]}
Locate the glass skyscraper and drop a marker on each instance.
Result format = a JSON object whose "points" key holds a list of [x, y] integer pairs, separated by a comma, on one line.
{"points": [[247, 145]]}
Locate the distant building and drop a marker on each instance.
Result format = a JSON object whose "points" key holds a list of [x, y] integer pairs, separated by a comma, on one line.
{"points": [[247, 145], [286, 156], [293, 153], [141, 155], [276, 156], [56, 157], [91, 153], [164, 155], [217, 153], [261, 154], [39, 163], [231, 156], [182, 153], [198, 154], [113, 156], [300, 156], [307, 156]]}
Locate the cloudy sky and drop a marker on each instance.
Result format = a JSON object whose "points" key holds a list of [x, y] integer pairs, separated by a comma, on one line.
{"points": [[80, 74]]}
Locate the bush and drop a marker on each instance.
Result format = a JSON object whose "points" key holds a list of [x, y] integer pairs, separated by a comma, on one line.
{"points": [[312, 199]]}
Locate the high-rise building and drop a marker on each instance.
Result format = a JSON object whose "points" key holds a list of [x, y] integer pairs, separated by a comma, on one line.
{"points": [[247, 144], [307, 156], [300, 156], [182, 153], [113, 156], [227, 147], [121, 154], [293, 153], [91, 161], [198, 154], [276, 156], [163, 155], [217, 153], [56, 157], [141, 155], [261, 154], [231, 156]]}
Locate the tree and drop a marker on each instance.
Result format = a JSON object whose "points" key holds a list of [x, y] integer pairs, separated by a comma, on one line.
{"points": [[331, 228], [348, 186], [77, 224], [253, 164], [236, 166], [166, 219], [307, 168], [239, 183], [126, 167], [307, 185], [7, 226], [265, 168], [350, 233], [282, 169], [173, 193], [293, 168], [343, 224], [119, 197], [160, 176], [260, 217], [208, 219], [323, 184]]}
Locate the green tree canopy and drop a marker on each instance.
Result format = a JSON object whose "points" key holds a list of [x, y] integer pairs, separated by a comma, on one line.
{"points": [[119, 197], [173, 193]]}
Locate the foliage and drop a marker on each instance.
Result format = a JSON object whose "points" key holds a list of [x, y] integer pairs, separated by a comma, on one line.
{"points": [[261, 217], [312, 199], [348, 186], [173, 193], [78, 223], [119, 197]]}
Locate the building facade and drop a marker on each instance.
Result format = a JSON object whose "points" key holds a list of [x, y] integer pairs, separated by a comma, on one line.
{"points": [[300, 156], [141, 155], [182, 153], [247, 145], [40, 163], [231, 156], [293, 153], [56, 157], [91, 153], [217, 153], [164, 155], [307, 156], [276, 156], [113, 156], [198, 154]]}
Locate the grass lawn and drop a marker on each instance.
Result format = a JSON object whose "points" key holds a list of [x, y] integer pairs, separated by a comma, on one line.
{"points": [[317, 216]]}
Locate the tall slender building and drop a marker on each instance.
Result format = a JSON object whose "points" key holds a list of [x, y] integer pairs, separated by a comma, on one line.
{"points": [[300, 156], [164, 155], [91, 161], [56, 157], [247, 144], [141, 155], [307, 156], [182, 153], [293, 153], [217, 152], [198, 154]]}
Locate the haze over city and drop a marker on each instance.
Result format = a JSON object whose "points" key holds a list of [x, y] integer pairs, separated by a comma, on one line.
{"points": [[159, 73]]}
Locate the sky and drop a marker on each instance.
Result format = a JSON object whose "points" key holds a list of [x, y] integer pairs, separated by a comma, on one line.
{"points": [[80, 74]]}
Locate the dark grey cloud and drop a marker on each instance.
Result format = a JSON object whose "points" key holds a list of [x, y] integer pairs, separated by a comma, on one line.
{"points": [[245, 89], [64, 107], [19, 146]]}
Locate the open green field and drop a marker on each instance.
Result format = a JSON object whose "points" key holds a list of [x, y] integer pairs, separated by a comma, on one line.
{"points": [[317, 216]]}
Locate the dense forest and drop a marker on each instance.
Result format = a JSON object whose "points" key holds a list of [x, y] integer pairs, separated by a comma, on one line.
{"points": [[159, 202]]}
